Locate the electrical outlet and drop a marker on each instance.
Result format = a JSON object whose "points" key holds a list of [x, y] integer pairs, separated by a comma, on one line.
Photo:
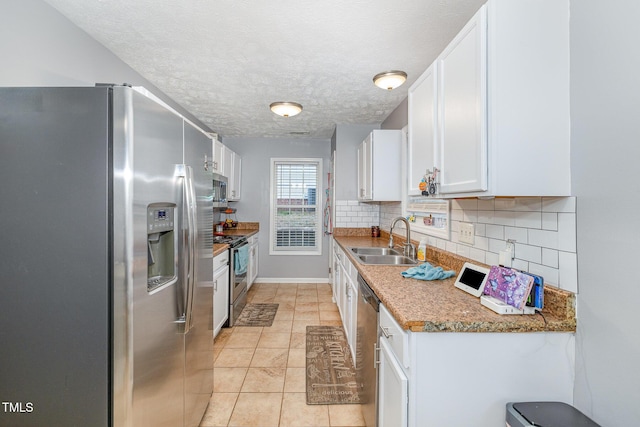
{"points": [[466, 233]]}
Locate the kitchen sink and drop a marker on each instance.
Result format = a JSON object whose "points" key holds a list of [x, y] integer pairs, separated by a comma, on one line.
{"points": [[386, 259], [375, 251]]}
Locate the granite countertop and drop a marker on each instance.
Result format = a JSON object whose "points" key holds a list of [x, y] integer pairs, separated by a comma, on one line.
{"points": [[438, 306]]}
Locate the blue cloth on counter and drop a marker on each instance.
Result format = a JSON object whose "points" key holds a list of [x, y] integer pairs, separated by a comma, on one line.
{"points": [[427, 271], [242, 259]]}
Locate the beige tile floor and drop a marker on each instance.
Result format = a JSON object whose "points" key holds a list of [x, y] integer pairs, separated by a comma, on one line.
{"points": [[259, 372]]}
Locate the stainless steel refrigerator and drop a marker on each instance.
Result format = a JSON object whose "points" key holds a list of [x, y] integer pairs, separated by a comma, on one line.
{"points": [[106, 259]]}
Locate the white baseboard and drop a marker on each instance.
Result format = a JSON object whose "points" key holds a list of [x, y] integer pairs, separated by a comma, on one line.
{"points": [[291, 280]]}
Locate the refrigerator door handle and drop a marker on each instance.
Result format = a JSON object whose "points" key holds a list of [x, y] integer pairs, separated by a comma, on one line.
{"points": [[191, 245]]}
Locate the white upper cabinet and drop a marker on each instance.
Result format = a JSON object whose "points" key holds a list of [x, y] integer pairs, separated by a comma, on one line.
{"points": [[463, 114], [234, 176], [218, 156], [502, 96], [379, 161], [422, 128]]}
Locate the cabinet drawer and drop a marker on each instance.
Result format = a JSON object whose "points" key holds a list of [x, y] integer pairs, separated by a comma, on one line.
{"points": [[396, 337], [221, 260]]}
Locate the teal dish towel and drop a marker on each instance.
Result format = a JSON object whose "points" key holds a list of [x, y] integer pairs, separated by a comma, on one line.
{"points": [[427, 271], [241, 260]]}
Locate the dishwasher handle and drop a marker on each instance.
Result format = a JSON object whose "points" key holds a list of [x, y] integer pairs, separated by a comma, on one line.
{"points": [[367, 294]]}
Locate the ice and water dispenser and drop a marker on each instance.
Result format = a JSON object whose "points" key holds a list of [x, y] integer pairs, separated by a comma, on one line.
{"points": [[161, 245]]}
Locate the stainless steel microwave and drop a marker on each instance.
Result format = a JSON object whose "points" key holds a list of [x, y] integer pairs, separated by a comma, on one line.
{"points": [[219, 191]]}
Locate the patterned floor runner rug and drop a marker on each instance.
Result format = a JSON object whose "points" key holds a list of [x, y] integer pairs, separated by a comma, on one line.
{"points": [[257, 315], [331, 377]]}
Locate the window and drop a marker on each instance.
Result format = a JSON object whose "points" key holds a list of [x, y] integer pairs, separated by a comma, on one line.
{"points": [[296, 219]]}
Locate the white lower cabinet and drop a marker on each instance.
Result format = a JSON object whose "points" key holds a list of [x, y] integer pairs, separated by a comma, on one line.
{"points": [[345, 294], [393, 386], [220, 291], [352, 320], [434, 379]]}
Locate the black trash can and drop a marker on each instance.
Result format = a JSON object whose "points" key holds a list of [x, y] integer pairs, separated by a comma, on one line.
{"points": [[546, 414]]}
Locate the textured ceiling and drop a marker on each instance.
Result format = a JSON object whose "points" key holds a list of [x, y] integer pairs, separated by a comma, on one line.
{"points": [[225, 61]]}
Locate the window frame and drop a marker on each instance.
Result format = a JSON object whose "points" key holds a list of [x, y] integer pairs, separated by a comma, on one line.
{"points": [[317, 250]]}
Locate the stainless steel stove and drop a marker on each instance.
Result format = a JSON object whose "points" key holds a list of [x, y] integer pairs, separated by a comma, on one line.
{"points": [[231, 240], [238, 245]]}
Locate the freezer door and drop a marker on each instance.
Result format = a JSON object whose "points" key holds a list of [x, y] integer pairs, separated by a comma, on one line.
{"points": [[199, 338], [148, 327]]}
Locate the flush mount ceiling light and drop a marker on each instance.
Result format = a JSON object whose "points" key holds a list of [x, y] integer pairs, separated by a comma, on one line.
{"points": [[286, 109], [390, 79]]}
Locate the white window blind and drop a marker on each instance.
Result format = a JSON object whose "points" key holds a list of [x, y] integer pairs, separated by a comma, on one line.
{"points": [[295, 214]]}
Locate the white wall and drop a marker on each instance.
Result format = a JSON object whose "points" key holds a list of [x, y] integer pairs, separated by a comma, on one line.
{"points": [[40, 47], [254, 205], [605, 151]]}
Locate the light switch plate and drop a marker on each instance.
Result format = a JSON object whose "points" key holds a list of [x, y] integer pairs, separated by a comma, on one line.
{"points": [[466, 233]]}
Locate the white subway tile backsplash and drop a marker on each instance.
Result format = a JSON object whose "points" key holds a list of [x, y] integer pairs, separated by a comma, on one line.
{"points": [[550, 258], [543, 228], [516, 234], [528, 204], [481, 243], [528, 253], [529, 220], [568, 271], [456, 215], [567, 232], [496, 245], [477, 255], [465, 204], [550, 275], [485, 217], [486, 204], [550, 221], [491, 258], [520, 264], [543, 238], [471, 216], [559, 204], [504, 218], [505, 204], [495, 231]]}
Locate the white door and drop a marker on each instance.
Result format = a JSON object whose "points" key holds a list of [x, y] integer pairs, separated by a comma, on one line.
{"points": [[422, 128], [393, 389], [462, 92]]}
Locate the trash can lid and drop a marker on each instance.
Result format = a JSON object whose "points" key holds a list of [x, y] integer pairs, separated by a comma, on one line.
{"points": [[553, 414]]}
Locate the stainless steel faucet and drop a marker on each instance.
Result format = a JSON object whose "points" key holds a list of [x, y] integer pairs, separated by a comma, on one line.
{"points": [[409, 250]]}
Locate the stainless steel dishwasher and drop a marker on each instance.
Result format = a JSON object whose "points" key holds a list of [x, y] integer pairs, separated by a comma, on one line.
{"points": [[366, 344]]}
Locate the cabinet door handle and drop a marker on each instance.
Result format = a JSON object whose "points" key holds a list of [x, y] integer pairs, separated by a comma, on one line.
{"points": [[376, 359], [215, 286]]}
